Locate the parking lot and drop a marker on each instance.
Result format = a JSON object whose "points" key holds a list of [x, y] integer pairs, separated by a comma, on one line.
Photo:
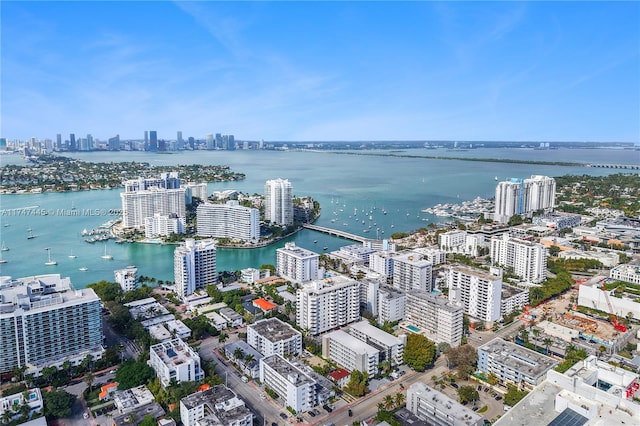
{"points": [[493, 399]]}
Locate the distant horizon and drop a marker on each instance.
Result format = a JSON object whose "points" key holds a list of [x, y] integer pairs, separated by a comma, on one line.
{"points": [[323, 71]]}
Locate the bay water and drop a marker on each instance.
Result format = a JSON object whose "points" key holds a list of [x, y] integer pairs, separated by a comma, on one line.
{"points": [[354, 191]]}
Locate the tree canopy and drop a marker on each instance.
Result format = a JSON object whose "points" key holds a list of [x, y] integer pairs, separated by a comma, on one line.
{"points": [[419, 352], [58, 403], [357, 385], [468, 394], [133, 373]]}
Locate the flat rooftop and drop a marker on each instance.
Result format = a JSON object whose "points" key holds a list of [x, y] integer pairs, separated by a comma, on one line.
{"points": [[475, 272], [274, 330], [510, 291], [174, 352], [287, 370], [518, 358], [375, 333], [350, 342], [453, 410]]}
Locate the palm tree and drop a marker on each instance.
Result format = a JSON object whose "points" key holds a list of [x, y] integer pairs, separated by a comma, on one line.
{"points": [[399, 399], [388, 402], [88, 379], [238, 353], [248, 358], [547, 342], [222, 337], [380, 406]]}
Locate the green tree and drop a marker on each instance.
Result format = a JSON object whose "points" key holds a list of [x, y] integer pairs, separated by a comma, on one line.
{"points": [[514, 220], [357, 385], [222, 337], [58, 403], [148, 421], [419, 352], [399, 399], [513, 395], [133, 373], [468, 394]]}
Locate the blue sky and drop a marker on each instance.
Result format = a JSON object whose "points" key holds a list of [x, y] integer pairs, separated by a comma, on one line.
{"points": [[540, 71]]}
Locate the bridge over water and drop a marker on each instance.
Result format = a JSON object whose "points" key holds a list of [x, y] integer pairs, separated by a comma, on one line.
{"points": [[336, 232], [616, 166]]}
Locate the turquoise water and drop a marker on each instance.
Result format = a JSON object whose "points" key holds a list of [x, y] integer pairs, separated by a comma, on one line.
{"points": [[341, 183]]}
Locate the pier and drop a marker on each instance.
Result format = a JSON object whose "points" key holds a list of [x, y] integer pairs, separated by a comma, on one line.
{"points": [[336, 232]]}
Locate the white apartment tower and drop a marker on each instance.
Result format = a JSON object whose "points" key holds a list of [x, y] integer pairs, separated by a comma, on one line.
{"points": [[477, 291], [127, 278], [138, 205], [278, 202], [297, 264], [524, 197], [194, 266], [163, 225], [392, 305], [272, 336], [175, 360], [527, 259], [439, 319], [323, 305], [411, 272], [44, 322], [229, 220]]}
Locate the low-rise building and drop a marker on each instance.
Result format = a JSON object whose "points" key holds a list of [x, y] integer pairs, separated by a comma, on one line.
{"points": [[292, 385], [216, 406], [609, 259], [512, 363], [178, 329], [127, 278], [216, 320], [272, 336], [595, 298], [513, 299], [391, 347], [10, 405], [249, 359], [130, 399], [627, 273], [350, 353], [233, 318], [437, 409], [138, 414], [175, 360]]}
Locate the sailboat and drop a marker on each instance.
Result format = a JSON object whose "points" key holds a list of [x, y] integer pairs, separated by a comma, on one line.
{"points": [[106, 255], [2, 260], [31, 236], [72, 256], [49, 262], [4, 247]]}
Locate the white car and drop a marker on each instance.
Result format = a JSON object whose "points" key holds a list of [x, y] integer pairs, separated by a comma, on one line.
{"points": [[85, 416]]}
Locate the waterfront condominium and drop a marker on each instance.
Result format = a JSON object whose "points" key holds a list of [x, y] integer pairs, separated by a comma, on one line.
{"points": [[435, 317], [527, 259], [411, 272], [229, 220], [477, 291], [163, 225], [197, 190], [297, 264], [127, 278], [194, 266], [138, 205], [175, 360], [524, 197], [272, 336], [44, 322], [278, 202], [323, 305]]}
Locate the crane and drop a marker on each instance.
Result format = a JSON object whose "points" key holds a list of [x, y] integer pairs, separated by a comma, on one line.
{"points": [[614, 320]]}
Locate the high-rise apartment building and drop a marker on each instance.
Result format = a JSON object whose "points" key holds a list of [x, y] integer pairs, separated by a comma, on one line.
{"points": [[146, 140], [194, 266], [278, 202], [139, 205], [297, 264], [382, 262], [198, 190], [211, 143], [272, 336], [44, 322], [127, 278], [411, 272], [323, 305], [477, 291], [527, 259], [229, 220], [524, 197], [392, 305], [296, 389], [163, 225], [440, 320], [72, 142]]}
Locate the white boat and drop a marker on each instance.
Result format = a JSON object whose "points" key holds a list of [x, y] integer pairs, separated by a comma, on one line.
{"points": [[84, 268], [49, 262], [2, 260], [72, 256], [4, 247], [30, 236], [106, 255]]}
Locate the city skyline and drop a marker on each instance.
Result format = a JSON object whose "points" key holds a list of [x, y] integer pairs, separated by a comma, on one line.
{"points": [[354, 70]]}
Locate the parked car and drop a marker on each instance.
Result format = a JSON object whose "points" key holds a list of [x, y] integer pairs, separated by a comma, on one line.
{"points": [[311, 414], [455, 385], [350, 412], [284, 416], [327, 408]]}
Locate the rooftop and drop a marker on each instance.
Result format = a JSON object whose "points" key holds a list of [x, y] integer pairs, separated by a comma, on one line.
{"points": [[453, 410], [129, 399], [338, 374], [174, 352], [510, 291], [285, 369], [292, 250], [327, 285], [518, 358], [375, 333], [264, 304], [274, 329], [348, 340], [474, 272], [133, 417]]}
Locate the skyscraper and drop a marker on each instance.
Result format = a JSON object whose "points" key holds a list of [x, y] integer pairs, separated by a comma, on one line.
{"points": [[524, 197], [477, 291], [72, 142], [58, 141], [194, 266], [278, 202], [146, 140], [527, 259], [210, 141], [153, 140], [180, 141]]}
